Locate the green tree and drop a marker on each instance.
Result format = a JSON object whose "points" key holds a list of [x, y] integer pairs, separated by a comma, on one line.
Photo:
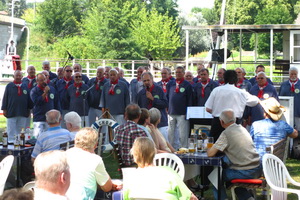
{"points": [[107, 27], [59, 18], [163, 7], [155, 34]]}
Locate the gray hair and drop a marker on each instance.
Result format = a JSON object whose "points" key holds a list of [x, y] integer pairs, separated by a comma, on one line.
{"points": [[113, 70], [108, 67], [182, 68], [168, 69], [46, 62], [263, 73], [149, 73], [53, 116], [48, 167], [100, 67], [155, 115], [227, 116], [73, 118], [293, 69], [45, 71], [78, 65]]}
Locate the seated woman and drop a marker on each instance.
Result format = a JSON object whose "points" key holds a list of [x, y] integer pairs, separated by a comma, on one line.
{"points": [[144, 121], [157, 181], [161, 143], [162, 146], [87, 169]]}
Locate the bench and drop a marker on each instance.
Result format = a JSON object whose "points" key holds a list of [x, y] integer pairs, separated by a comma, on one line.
{"points": [[280, 149]]}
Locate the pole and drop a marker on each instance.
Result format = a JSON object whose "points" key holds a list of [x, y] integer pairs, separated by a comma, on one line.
{"points": [[186, 49], [27, 44]]}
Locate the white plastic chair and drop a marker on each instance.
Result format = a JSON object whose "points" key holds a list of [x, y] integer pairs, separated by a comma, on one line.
{"points": [[29, 186], [170, 160], [5, 167], [277, 175]]}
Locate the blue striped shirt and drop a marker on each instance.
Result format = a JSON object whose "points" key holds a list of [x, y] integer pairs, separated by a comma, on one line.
{"points": [[51, 140]]}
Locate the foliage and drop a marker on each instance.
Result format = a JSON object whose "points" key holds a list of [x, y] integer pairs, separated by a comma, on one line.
{"points": [[163, 7], [107, 27], [59, 18], [209, 14], [155, 34], [198, 39]]}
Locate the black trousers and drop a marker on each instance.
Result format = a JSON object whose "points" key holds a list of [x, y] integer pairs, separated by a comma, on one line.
{"points": [[216, 128]]}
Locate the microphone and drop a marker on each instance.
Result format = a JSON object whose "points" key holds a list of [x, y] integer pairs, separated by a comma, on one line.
{"points": [[147, 87], [70, 56], [44, 84]]}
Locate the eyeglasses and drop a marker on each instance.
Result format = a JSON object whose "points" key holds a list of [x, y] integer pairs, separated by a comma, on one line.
{"points": [[68, 70], [78, 76]]}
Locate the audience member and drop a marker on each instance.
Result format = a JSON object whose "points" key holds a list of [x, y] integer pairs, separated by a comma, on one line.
{"points": [[144, 122], [272, 129], [87, 169], [17, 194], [115, 97], [52, 176], [242, 165], [95, 95], [126, 133], [44, 98], [73, 122], [217, 102], [53, 137], [148, 178], [16, 105], [291, 87], [152, 96], [179, 94]]}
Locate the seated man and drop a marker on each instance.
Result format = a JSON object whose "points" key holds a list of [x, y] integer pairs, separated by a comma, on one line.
{"points": [[53, 137], [73, 122], [52, 176], [87, 169], [125, 134], [243, 165], [270, 130]]}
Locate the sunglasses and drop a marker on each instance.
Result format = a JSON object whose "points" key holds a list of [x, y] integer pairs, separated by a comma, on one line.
{"points": [[68, 70], [78, 76]]}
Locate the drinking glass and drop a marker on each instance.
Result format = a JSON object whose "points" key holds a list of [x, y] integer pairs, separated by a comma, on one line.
{"points": [[210, 142]]}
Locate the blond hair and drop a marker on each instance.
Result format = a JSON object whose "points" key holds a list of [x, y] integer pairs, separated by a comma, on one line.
{"points": [[86, 138], [143, 151]]}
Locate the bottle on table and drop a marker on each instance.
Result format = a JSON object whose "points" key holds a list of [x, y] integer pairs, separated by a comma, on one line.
{"points": [[22, 138], [5, 139], [27, 134], [16, 141]]}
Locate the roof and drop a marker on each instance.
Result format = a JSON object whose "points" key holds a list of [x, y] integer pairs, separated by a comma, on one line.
{"points": [[246, 28]]}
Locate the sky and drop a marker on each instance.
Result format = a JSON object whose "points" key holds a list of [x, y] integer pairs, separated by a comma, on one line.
{"points": [[187, 5]]}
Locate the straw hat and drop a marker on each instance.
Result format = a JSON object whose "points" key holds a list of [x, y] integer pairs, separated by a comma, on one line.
{"points": [[273, 108]]}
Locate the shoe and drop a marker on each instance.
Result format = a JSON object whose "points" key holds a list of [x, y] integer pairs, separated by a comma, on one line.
{"points": [[197, 187]]}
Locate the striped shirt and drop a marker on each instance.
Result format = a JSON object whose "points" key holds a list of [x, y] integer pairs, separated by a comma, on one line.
{"points": [[51, 140]]}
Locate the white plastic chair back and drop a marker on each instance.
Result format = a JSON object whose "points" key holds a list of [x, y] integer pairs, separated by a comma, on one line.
{"points": [[276, 176], [5, 167], [170, 160], [29, 186]]}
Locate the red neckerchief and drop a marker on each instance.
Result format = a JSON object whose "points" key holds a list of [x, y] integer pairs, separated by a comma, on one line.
{"points": [[178, 82], [221, 83], [261, 90], [164, 84], [98, 81], [112, 87], [78, 86], [204, 84], [18, 84], [67, 82], [30, 81], [238, 85], [138, 79], [43, 88], [48, 81], [293, 84], [150, 102]]}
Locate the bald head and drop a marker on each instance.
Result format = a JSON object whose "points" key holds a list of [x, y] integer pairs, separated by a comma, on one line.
{"points": [[228, 117], [53, 117]]}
